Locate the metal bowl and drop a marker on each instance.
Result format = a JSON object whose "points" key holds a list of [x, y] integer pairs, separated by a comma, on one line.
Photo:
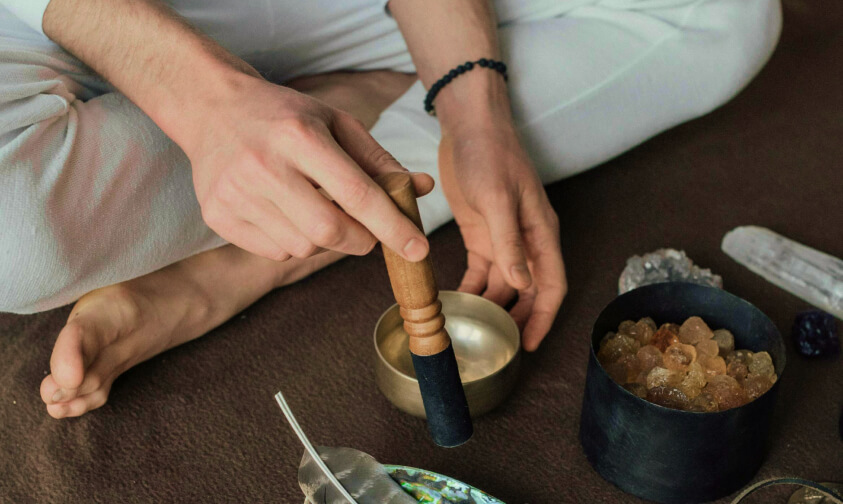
{"points": [[486, 342]]}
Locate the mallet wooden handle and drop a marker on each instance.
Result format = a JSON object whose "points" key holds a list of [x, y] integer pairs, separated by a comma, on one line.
{"points": [[414, 286], [413, 283]]}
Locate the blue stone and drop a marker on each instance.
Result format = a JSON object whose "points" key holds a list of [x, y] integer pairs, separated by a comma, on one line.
{"points": [[815, 334]]}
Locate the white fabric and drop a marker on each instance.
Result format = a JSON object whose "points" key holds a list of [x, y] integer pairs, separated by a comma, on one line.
{"points": [[30, 12], [93, 193]]}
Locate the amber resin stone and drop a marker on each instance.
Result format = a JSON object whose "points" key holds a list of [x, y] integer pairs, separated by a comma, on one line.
{"points": [[694, 330], [679, 356], [688, 366], [725, 341], [668, 397], [665, 337]]}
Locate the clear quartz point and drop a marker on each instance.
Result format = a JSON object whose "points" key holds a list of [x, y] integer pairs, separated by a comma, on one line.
{"points": [[807, 273]]}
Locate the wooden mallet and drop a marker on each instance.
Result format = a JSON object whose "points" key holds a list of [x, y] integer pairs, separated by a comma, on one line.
{"points": [[415, 290]]}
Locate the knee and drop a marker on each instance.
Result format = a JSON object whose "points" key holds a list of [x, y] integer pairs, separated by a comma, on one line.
{"points": [[754, 31], [742, 35]]}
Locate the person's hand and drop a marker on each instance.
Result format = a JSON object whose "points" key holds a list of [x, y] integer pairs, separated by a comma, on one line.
{"points": [[261, 167], [510, 230]]}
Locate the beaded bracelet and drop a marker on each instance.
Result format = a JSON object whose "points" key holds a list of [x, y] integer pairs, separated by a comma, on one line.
{"points": [[498, 66]]}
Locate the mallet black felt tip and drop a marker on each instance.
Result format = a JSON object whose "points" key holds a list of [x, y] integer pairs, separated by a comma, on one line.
{"points": [[448, 418]]}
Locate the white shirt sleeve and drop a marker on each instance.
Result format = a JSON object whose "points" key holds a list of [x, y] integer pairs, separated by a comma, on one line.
{"points": [[29, 11]]}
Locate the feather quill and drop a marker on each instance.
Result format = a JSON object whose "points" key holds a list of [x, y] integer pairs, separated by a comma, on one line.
{"points": [[363, 476], [279, 397], [342, 475]]}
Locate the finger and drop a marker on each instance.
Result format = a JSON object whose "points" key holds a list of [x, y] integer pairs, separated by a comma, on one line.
{"points": [[476, 274], [283, 233], [422, 183], [507, 245], [545, 309], [346, 170], [251, 238], [302, 218], [362, 147], [551, 287], [266, 216], [524, 307], [497, 290]]}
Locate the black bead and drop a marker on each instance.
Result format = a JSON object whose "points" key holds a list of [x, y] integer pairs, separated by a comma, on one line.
{"points": [[437, 86]]}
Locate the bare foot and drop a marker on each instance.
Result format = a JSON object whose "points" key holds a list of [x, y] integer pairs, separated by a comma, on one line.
{"points": [[116, 327]]}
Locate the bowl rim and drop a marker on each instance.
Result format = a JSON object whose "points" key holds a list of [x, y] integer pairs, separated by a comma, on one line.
{"points": [[409, 378], [593, 353]]}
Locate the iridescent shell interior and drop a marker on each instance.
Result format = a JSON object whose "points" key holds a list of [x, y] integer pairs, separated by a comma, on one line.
{"points": [[432, 488]]}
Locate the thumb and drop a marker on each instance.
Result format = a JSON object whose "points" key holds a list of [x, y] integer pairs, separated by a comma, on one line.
{"points": [[356, 141]]}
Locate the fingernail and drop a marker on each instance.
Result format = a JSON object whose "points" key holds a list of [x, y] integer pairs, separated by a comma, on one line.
{"points": [[415, 250], [58, 395], [521, 273]]}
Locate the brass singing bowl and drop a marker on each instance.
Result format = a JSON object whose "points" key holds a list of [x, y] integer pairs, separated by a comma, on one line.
{"points": [[486, 342]]}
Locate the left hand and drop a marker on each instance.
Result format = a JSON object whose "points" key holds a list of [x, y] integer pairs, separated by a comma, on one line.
{"points": [[510, 230]]}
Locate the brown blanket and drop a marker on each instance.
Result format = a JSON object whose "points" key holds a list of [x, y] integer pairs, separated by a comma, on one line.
{"points": [[200, 424]]}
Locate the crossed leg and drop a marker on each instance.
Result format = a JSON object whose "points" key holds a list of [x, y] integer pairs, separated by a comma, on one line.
{"points": [[116, 327]]}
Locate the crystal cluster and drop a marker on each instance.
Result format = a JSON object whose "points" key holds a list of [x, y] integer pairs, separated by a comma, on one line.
{"points": [[815, 334], [687, 367], [664, 265]]}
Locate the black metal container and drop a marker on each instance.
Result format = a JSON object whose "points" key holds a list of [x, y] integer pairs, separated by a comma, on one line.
{"points": [[667, 455]]}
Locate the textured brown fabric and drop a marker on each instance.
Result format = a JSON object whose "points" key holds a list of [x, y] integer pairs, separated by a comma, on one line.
{"points": [[199, 423]]}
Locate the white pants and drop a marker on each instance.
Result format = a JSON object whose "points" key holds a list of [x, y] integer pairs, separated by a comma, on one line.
{"points": [[93, 193]]}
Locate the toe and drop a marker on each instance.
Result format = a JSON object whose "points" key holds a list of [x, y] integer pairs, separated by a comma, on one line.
{"points": [[68, 361], [80, 405], [51, 392]]}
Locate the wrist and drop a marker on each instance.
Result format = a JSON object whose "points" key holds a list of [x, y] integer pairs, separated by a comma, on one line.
{"points": [[175, 74], [196, 97], [478, 99]]}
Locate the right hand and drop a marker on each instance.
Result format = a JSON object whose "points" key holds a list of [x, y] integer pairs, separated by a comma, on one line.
{"points": [[260, 159]]}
